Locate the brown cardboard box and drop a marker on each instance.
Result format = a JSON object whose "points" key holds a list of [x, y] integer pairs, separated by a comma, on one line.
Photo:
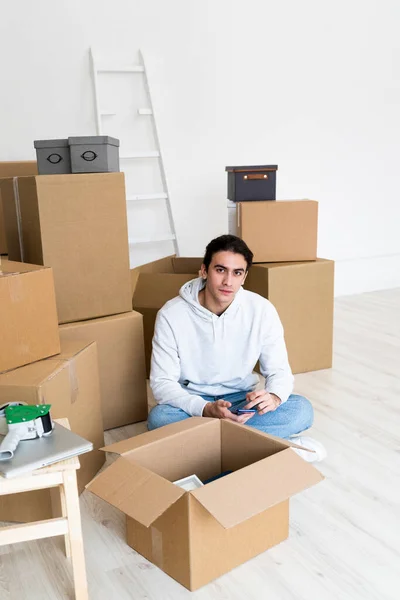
{"points": [[70, 383], [12, 169], [121, 364], [302, 293], [154, 284], [196, 536], [279, 231], [28, 315], [76, 224]]}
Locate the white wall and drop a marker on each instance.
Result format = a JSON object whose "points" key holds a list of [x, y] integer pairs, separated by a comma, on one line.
{"points": [[311, 86]]}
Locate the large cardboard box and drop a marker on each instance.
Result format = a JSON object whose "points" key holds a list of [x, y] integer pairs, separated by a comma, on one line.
{"points": [[70, 383], [285, 230], [76, 224], [196, 536], [122, 372], [302, 293], [154, 284], [28, 314], [12, 169]]}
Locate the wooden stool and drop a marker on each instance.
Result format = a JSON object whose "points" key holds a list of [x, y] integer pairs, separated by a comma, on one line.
{"points": [[63, 475]]}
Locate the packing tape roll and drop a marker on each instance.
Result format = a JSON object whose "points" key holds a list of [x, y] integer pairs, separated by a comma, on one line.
{"points": [[3, 420]]}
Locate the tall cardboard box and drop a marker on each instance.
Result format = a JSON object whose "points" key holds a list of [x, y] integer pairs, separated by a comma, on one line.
{"points": [[76, 224], [196, 536], [153, 285], [28, 314], [302, 293], [12, 169], [70, 383], [122, 372], [285, 230]]}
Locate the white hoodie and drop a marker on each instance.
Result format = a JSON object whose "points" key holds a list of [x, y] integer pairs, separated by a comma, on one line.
{"points": [[197, 353]]}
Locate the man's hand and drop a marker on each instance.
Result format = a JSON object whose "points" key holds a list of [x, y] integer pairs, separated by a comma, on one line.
{"points": [[265, 401], [219, 409]]}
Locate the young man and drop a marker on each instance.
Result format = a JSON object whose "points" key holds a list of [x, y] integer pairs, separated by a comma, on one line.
{"points": [[206, 344]]}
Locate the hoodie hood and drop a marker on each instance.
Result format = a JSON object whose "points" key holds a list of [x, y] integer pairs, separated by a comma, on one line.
{"points": [[190, 293]]}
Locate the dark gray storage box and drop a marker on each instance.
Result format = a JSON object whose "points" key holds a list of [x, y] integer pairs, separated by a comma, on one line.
{"points": [[94, 154], [252, 183], [52, 157]]}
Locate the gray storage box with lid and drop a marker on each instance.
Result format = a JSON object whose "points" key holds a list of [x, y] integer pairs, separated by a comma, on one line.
{"points": [[53, 157], [94, 154]]}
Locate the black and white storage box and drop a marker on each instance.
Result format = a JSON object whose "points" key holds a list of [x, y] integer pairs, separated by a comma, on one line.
{"points": [[94, 154], [252, 183]]}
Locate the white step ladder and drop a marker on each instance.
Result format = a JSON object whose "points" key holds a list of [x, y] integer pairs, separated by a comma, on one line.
{"points": [[97, 68]]}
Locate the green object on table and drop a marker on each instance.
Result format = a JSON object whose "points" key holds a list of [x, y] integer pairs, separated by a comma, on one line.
{"points": [[22, 414]]}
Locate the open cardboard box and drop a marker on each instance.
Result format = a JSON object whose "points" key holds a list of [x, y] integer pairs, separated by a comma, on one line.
{"points": [[153, 284], [196, 536]]}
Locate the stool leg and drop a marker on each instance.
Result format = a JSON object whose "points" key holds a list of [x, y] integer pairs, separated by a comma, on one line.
{"points": [[65, 514], [75, 534]]}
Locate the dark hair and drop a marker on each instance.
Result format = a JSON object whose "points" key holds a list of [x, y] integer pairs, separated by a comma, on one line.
{"points": [[228, 243]]}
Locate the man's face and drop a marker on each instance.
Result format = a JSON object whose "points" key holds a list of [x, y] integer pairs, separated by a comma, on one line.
{"points": [[225, 275]]}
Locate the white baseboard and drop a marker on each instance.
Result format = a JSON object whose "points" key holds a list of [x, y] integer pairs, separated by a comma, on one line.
{"points": [[358, 275]]}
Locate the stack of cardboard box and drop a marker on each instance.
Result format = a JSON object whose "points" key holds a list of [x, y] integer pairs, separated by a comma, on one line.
{"points": [[35, 369], [77, 225], [283, 237]]}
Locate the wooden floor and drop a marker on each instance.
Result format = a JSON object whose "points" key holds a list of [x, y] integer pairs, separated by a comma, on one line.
{"points": [[344, 538]]}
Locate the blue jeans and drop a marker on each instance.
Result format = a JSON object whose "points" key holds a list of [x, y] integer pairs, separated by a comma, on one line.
{"points": [[292, 417]]}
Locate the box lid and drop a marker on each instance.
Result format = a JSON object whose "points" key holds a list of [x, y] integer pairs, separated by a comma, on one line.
{"points": [[93, 140], [11, 267], [153, 290], [252, 168], [51, 143], [149, 437], [138, 492], [255, 488]]}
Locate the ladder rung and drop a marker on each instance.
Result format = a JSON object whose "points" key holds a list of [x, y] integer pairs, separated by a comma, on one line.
{"points": [[140, 155], [158, 238], [145, 111], [161, 196], [121, 69]]}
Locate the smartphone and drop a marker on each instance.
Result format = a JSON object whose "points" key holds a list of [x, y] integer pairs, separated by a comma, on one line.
{"points": [[245, 411]]}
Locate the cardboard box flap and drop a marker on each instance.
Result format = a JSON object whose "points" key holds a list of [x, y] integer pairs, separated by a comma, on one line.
{"points": [[155, 289], [186, 265], [161, 433], [70, 348], [163, 265], [15, 268], [251, 490], [281, 441], [136, 491]]}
